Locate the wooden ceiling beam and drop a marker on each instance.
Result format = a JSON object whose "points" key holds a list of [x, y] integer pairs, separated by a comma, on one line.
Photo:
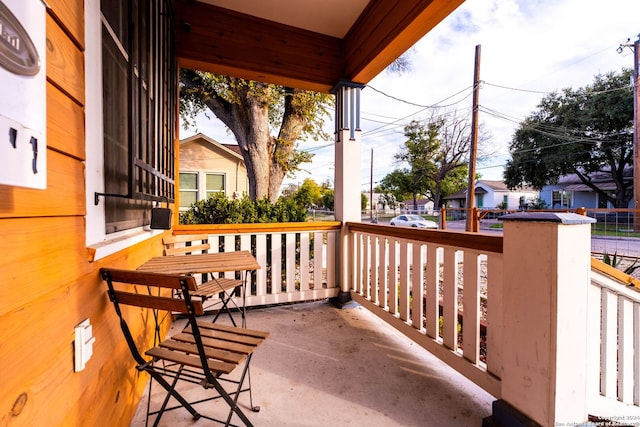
{"points": [[218, 40], [210, 38]]}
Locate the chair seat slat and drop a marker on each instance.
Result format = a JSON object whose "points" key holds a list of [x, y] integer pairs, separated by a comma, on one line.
{"points": [[189, 360], [212, 353], [227, 336], [216, 343], [228, 328]]}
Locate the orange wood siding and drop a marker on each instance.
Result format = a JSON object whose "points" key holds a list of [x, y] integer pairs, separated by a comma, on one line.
{"points": [[65, 123], [47, 285]]}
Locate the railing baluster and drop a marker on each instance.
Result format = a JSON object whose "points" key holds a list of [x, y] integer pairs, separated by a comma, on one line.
{"points": [[392, 301], [608, 359], [331, 259], [304, 261], [373, 268], [382, 272], [276, 263], [229, 246], [403, 298], [261, 257], [625, 350], [359, 255], [450, 299], [494, 282], [471, 306], [319, 255], [432, 311], [290, 278], [417, 286]]}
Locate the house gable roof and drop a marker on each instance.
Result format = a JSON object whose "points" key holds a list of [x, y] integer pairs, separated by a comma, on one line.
{"points": [[227, 149]]}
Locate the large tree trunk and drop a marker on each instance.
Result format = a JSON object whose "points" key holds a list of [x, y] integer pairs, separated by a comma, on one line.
{"points": [[267, 158]]}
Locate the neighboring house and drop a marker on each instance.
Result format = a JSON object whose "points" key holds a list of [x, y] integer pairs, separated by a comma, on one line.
{"points": [[378, 201], [208, 167], [422, 206], [570, 192], [492, 194]]}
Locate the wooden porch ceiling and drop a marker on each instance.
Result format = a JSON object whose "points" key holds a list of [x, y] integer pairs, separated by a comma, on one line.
{"points": [[308, 44]]}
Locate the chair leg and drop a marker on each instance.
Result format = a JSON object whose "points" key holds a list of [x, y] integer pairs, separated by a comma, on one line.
{"points": [[255, 408], [170, 388], [245, 373], [233, 405], [225, 300]]}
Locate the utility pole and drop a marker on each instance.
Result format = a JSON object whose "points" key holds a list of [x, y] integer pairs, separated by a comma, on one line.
{"points": [[473, 149], [636, 129]]}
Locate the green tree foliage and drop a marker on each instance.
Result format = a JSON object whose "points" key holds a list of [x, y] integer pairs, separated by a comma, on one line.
{"points": [[396, 185], [309, 194], [218, 209], [418, 151], [437, 152], [266, 120], [364, 200], [581, 132]]}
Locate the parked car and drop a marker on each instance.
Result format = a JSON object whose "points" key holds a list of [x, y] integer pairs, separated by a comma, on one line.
{"points": [[413, 221]]}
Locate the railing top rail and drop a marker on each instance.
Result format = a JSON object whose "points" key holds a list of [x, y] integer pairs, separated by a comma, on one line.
{"points": [[626, 283], [267, 227], [463, 239]]}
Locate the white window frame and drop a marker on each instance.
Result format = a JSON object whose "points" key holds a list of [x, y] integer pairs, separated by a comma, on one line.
{"points": [[204, 186], [197, 190]]}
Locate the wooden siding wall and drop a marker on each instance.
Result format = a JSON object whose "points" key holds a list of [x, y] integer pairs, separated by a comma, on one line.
{"points": [[47, 285]]}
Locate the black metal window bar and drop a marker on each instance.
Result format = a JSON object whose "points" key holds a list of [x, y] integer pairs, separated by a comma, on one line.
{"points": [[139, 98]]}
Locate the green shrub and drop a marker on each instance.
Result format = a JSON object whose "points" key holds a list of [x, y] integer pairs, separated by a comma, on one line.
{"points": [[218, 209]]}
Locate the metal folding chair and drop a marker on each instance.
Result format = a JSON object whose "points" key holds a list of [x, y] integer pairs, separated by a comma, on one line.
{"points": [[203, 353], [225, 288]]}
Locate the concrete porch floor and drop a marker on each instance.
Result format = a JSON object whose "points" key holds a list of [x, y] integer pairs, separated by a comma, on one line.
{"points": [[324, 366]]}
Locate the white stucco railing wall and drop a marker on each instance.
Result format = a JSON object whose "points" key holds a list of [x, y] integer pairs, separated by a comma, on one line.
{"points": [[547, 264]]}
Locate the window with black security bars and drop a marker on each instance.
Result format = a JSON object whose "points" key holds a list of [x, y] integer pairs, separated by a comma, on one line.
{"points": [[139, 109]]}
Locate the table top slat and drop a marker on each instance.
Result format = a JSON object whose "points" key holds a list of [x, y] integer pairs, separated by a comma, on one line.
{"points": [[202, 263]]}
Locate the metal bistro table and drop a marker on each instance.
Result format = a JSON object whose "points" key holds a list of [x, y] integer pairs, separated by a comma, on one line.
{"points": [[207, 263]]}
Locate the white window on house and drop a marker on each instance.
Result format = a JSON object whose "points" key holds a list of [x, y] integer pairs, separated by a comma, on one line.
{"points": [[480, 200], [560, 199], [214, 183], [505, 200], [188, 189]]}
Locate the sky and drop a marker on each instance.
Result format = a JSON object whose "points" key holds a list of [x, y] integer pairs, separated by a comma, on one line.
{"points": [[529, 48]]}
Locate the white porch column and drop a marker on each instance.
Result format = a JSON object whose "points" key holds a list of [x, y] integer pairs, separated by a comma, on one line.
{"points": [[547, 264], [348, 154]]}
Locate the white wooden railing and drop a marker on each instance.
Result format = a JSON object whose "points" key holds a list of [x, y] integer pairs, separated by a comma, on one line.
{"points": [[297, 259], [433, 285], [614, 353]]}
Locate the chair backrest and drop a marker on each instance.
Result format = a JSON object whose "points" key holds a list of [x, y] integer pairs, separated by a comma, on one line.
{"points": [[152, 298], [185, 244]]}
